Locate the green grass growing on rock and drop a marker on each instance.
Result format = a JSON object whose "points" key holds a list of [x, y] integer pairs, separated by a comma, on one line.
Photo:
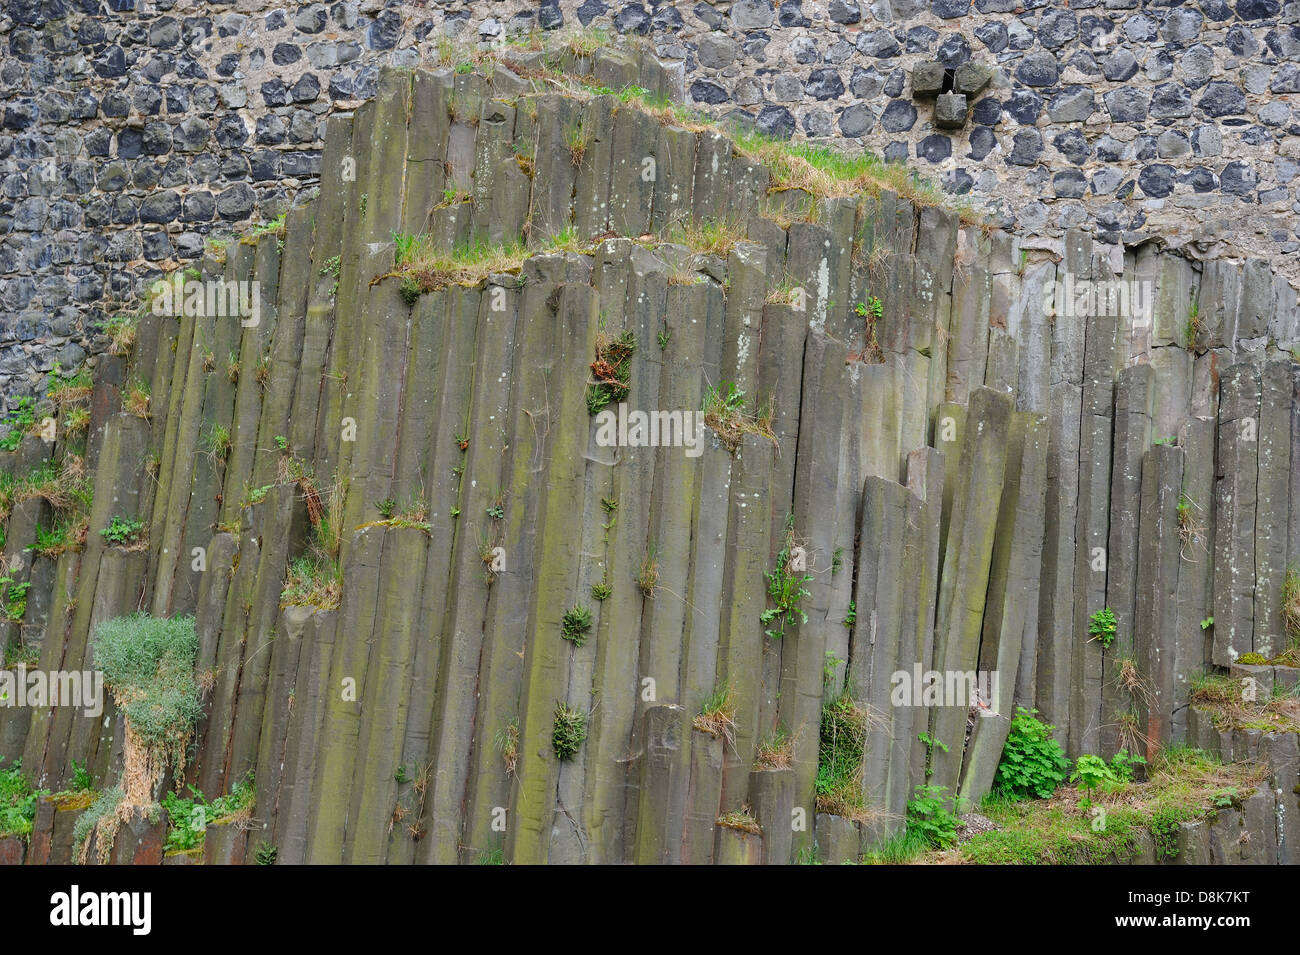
{"points": [[843, 738], [1183, 785]]}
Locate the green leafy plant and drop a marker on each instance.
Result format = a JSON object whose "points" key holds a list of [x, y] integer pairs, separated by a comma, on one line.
{"points": [[123, 531], [785, 587], [1091, 772], [851, 617], [189, 816], [387, 508], [17, 801], [82, 781], [576, 624], [266, 854], [1123, 766], [1032, 763], [872, 308], [930, 818], [13, 603], [19, 419], [1102, 626], [601, 590]]}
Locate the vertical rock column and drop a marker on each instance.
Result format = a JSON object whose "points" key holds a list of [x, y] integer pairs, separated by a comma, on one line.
{"points": [[967, 562], [1132, 439], [1156, 617], [1012, 603], [1235, 496]]}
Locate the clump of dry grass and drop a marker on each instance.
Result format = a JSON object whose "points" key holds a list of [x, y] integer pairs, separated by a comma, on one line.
{"points": [[136, 399], [506, 742], [710, 237], [1226, 700], [427, 269], [775, 751], [1191, 529], [740, 819], [728, 413], [1129, 679], [718, 716]]}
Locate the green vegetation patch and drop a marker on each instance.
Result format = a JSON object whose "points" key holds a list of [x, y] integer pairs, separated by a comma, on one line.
{"points": [[842, 739], [1099, 825], [611, 371], [17, 801], [189, 816], [568, 732], [148, 665]]}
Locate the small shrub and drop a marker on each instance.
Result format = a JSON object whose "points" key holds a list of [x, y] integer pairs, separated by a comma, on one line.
{"points": [[1091, 773], [569, 732], [601, 590], [101, 817], [1032, 761], [148, 665], [266, 854], [929, 817]]}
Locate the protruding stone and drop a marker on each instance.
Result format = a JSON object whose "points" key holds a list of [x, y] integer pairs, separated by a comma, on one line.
{"points": [[971, 78], [950, 111], [927, 80]]}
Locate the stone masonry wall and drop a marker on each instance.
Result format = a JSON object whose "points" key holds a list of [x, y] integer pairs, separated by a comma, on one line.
{"points": [[132, 130]]}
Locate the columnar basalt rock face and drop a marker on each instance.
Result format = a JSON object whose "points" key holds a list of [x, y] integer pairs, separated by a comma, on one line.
{"points": [[130, 136], [967, 457]]}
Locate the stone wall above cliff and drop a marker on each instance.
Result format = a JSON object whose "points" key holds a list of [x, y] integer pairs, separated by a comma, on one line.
{"points": [[133, 130]]}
